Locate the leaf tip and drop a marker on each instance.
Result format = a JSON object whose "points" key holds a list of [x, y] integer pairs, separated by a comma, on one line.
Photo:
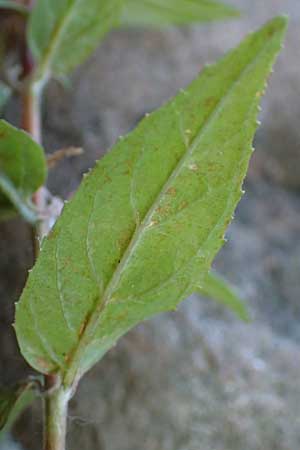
{"points": [[277, 25]]}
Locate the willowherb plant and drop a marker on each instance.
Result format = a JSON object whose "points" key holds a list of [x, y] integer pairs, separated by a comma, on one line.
{"points": [[141, 232]]}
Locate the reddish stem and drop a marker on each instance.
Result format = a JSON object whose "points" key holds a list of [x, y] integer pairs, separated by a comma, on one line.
{"points": [[31, 122], [31, 117]]}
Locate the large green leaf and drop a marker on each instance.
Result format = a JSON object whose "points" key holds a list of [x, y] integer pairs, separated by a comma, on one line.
{"points": [[22, 172], [216, 288], [179, 12], [62, 33], [142, 230]]}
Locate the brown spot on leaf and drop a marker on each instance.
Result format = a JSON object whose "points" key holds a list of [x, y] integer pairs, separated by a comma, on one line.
{"points": [[129, 163], [193, 167], [163, 210], [43, 364], [124, 239], [152, 223], [210, 102], [171, 191], [184, 205], [271, 31], [53, 234], [107, 178]]}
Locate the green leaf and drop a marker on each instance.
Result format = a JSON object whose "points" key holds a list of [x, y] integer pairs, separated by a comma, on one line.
{"points": [[62, 33], [177, 12], [13, 401], [140, 234], [216, 288], [22, 172], [9, 4]]}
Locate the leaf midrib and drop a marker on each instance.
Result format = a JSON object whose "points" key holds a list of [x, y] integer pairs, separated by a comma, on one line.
{"points": [[71, 373]]}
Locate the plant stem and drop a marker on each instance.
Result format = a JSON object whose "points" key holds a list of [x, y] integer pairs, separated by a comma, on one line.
{"points": [[31, 112], [57, 398], [56, 413], [31, 122]]}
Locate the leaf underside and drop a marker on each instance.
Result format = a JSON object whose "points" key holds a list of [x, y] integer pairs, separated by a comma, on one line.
{"points": [[22, 171], [140, 234], [177, 12]]}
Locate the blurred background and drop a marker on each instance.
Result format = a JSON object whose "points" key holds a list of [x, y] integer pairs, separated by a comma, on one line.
{"points": [[197, 379]]}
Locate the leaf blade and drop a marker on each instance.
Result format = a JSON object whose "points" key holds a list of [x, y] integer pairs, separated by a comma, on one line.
{"points": [[63, 33], [22, 171], [217, 288], [170, 12], [13, 401], [160, 201]]}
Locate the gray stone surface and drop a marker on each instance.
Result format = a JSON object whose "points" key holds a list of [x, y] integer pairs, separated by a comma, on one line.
{"points": [[197, 379]]}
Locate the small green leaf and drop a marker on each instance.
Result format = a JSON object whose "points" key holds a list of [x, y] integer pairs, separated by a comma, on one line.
{"points": [[22, 171], [62, 33], [177, 12], [216, 288], [140, 234], [9, 4], [13, 401]]}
